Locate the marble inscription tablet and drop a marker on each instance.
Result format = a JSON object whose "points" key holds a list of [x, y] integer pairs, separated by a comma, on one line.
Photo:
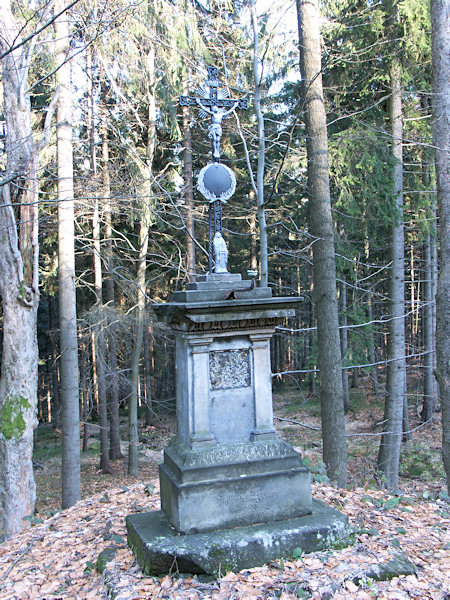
{"points": [[229, 369]]}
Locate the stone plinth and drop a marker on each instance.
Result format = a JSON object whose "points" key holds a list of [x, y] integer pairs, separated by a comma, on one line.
{"points": [[227, 466], [232, 485], [159, 548]]}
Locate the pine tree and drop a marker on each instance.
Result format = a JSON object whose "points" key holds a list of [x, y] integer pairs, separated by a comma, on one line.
{"points": [[321, 227]]}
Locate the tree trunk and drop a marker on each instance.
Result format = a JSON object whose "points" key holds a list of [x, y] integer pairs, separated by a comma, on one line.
{"points": [[56, 403], [428, 395], [372, 352], [321, 227], [434, 283], [99, 327], [263, 256], [148, 351], [441, 67], [115, 451], [312, 334], [133, 466], [355, 378], [113, 395], [70, 418], [18, 286], [253, 245], [84, 392], [390, 444], [411, 326], [344, 344], [133, 435], [100, 349], [188, 190]]}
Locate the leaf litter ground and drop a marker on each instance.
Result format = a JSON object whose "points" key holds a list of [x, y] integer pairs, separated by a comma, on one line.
{"points": [[56, 558]]}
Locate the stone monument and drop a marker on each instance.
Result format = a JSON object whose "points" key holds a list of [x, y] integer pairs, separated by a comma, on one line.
{"points": [[233, 494]]}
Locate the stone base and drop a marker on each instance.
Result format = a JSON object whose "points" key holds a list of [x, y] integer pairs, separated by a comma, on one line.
{"points": [[217, 286], [232, 485], [160, 549]]}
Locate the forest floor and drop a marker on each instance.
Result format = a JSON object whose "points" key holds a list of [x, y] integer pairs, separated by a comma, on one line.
{"points": [[56, 557]]}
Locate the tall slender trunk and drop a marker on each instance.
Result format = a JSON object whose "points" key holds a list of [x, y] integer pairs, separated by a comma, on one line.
{"points": [[372, 352], [115, 451], [390, 444], [355, 371], [414, 303], [434, 283], [100, 350], [253, 244], [428, 380], [441, 68], [113, 395], [133, 465], [71, 487], [260, 203], [99, 326], [84, 389], [188, 190], [344, 344], [321, 227], [312, 334], [148, 352], [56, 403], [133, 434]]}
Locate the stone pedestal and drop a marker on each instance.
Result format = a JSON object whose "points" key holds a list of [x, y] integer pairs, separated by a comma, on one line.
{"points": [[227, 467]]}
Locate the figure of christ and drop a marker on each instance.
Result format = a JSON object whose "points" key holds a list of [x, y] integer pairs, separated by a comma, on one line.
{"points": [[215, 129]]}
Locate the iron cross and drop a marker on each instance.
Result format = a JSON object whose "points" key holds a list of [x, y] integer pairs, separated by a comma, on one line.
{"points": [[215, 106], [216, 181]]}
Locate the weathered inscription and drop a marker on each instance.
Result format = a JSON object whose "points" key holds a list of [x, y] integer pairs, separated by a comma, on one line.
{"points": [[226, 326], [228, 454], [229, 369], [244, 502]]}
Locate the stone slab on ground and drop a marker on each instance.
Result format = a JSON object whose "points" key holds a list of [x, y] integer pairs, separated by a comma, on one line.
{"points": [[160, 549]]}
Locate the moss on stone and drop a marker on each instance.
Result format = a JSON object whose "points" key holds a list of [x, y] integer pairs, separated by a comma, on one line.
{"points": [[12, 423], [105, 556]]}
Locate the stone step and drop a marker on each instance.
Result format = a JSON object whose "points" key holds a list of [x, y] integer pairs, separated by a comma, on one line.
{"points": [[214, 285], [219, 277], [214, 295]]}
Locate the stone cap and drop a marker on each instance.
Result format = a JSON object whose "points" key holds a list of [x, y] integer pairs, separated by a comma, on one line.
{"points": [[241, 309]]}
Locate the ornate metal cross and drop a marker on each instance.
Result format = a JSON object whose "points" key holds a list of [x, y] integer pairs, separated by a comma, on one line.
{"points": [[216, 181]]}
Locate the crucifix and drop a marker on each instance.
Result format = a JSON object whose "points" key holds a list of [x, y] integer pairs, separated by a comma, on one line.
{"points": [[216, 181]]}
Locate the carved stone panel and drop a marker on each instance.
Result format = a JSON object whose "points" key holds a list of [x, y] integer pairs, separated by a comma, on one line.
{"points": [[229, 369]]}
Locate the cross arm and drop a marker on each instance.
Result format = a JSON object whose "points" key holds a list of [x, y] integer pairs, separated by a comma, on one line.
{"points": [[187, 100], [221, 102]]}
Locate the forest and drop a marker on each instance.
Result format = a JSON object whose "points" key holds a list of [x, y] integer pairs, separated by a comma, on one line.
{"points": [[342, 198]]}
